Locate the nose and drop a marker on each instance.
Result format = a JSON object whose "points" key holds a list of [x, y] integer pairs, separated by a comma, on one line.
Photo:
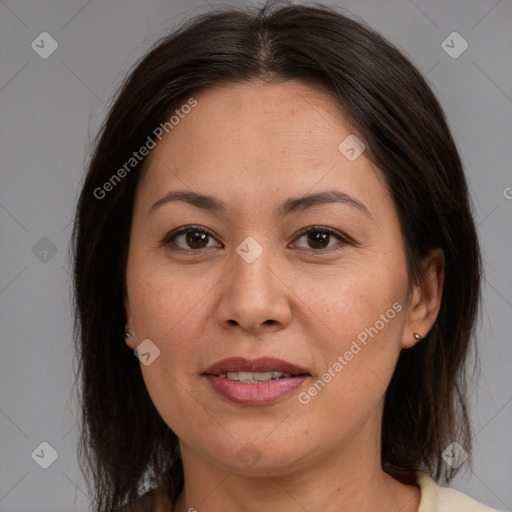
{"points": [[254, 296]]}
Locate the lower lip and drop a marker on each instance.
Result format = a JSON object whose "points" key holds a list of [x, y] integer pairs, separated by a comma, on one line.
{"points": [[255, 394]]}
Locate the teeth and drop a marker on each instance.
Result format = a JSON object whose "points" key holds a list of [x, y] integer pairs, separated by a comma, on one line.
{"points": [[254, 377]]}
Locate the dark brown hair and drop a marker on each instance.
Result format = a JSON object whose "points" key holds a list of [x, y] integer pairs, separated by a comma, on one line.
{"points": [[124, 441]]}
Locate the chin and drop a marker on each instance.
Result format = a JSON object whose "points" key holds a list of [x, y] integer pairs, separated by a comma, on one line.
{"points": [[258, 456]]}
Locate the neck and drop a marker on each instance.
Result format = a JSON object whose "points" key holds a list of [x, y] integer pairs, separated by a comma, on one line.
{"points": [[348, 480]]}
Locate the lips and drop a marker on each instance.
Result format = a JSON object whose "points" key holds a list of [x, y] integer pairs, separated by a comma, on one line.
{"points": [[257, 382], [265, 364]]}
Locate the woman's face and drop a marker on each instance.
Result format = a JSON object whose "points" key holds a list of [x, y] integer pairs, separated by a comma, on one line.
{"points": [[332, 307]]}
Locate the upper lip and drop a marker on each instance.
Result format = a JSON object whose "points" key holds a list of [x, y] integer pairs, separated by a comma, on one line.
{"points": [[264, 364]]}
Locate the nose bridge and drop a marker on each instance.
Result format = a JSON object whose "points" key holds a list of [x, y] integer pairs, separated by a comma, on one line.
{"points": [[251, 268], [253, 295]]}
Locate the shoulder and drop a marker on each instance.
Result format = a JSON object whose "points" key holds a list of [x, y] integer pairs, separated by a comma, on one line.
{"points": [[435, 498]]}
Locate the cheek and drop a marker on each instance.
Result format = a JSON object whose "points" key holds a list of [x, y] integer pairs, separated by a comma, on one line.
{"points": [[359, 359], [167, 305], [172, 314], [353, 298], [362, 314], [170, 311]]}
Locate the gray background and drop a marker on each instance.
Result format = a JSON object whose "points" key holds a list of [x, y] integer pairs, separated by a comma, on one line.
{"points": [[49, 110]]}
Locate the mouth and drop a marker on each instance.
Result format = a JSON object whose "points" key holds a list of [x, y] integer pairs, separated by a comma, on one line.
{"points": [[254, 377], [258, 382]]}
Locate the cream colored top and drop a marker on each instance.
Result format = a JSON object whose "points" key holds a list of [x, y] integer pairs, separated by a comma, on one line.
{"points": [[435, 498]]}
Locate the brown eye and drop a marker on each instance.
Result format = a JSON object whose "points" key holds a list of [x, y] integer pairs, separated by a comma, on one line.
{"points": [[189, 239], [196, 239], [319, 238]]}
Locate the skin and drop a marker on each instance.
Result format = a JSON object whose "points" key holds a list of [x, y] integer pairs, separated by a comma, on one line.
{"points": [[253, 146]]}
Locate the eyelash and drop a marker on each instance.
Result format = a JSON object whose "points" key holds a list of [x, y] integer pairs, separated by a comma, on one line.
{"points": [[168, 239]]}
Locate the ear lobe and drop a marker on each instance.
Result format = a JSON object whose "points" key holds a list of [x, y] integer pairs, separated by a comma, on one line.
{"points": [[426, 299]]}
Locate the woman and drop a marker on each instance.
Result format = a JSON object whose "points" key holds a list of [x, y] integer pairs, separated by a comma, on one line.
{"points": [[276, 223]]}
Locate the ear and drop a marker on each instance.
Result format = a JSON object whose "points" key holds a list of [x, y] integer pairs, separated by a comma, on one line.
{"points": [[130, 341], [426, 298]]}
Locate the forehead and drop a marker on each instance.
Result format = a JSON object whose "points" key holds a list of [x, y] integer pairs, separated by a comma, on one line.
{"points": [[258, 137]]}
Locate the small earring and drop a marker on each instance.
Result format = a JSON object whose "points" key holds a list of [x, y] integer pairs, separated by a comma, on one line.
{"points": [[417, 336], [127, 333]]}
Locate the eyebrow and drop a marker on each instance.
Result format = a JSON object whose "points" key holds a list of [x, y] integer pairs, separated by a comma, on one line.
{"points": [[292, 205]]}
